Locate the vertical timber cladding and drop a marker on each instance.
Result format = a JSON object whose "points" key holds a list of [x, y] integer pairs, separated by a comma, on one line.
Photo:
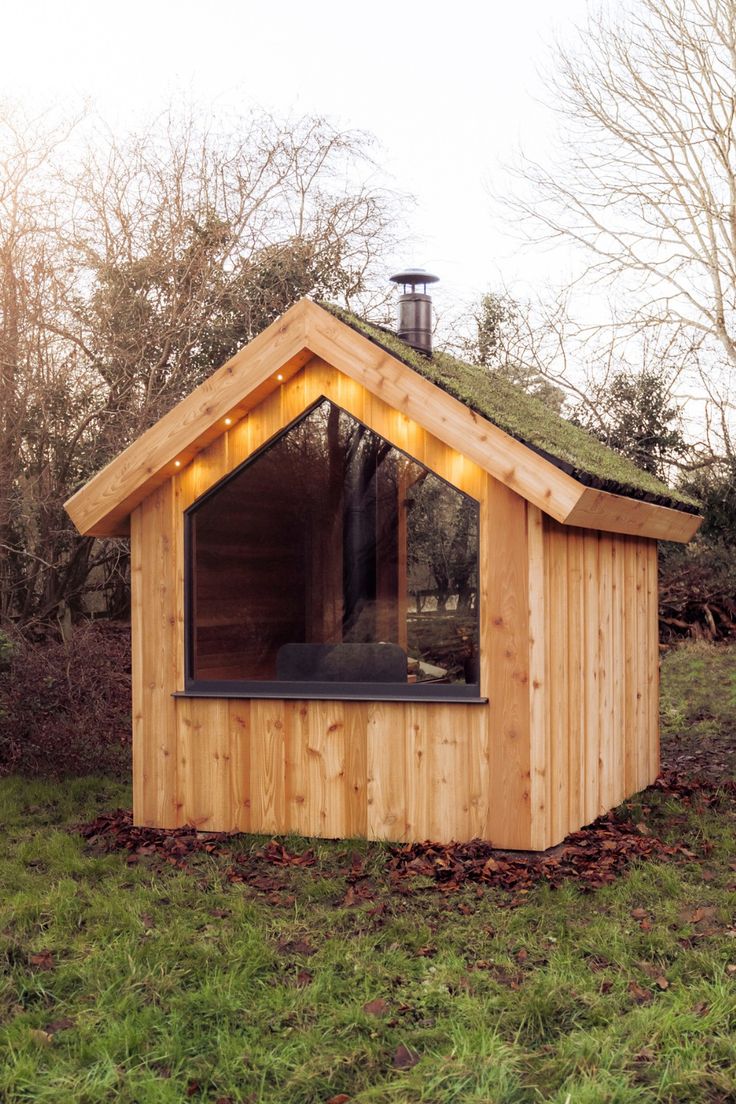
{"points": [[385, 770], [597, 732], [154, 659], [569, 662]]}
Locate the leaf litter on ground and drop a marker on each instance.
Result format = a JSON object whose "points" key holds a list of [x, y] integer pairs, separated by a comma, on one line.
{"points": [[592, 857]]}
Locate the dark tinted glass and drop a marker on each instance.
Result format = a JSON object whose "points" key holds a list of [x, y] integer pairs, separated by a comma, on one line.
{"points": [[331, 556]]}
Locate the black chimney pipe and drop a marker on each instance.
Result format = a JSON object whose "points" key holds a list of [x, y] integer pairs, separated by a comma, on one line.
{"points": [[415, 308]]}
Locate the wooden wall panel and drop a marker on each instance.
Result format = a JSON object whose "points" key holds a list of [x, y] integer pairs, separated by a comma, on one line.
{"points": [[620, 648], [449, 804], [436, 789], [539, 729], [606, 737], [269, 721], [505, 664], [558, 680], [315, 380], [387, 812], [326, 762], [642, 654], [205, 779], [143, 785], [417, 771], [576, 679], [592, 728], [296, 769], [155, 660], [652, 661], [631, 669], [356, 769], [239, 724], [601, 668]]}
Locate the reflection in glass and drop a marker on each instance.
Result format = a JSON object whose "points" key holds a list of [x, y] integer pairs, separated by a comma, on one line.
{"points": [[331, 556]]}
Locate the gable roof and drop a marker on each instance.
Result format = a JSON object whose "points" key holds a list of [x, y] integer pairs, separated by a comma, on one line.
{"points": [[555, 465]]}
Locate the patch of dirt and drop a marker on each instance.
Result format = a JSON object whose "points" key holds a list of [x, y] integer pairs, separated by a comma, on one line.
{"points": [[701, 758]]}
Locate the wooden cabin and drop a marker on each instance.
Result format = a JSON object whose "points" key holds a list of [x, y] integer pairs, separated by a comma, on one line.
{"points": [[384, 595]]}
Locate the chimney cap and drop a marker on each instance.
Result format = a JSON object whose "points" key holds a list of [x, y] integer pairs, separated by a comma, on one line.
{"points": [[414, 276]]}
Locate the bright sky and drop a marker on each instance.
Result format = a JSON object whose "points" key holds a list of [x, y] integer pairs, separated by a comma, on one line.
{"points": [[450, 90]]}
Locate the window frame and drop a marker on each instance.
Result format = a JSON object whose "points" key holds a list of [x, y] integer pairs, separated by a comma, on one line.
{"points": [[317, 691]]}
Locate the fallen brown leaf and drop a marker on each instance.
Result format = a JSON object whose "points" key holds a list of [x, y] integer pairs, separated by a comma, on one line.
{"points": [[60, 1025], [377, 1007], [275, 852], [44, 960], [297, 947], [404, 1058], [701, 914]]}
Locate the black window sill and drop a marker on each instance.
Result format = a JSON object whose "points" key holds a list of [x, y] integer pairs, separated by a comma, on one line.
{"points": [[391, 692]]}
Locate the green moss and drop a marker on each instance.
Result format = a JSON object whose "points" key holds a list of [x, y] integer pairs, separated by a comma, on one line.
{"points": [[525, 418]]}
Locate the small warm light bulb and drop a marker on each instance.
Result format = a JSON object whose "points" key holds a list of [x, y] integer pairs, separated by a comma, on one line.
{"points": [[177, 463], [228, 421], [279, 377]]}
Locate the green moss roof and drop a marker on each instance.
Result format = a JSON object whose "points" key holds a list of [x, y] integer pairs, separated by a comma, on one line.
{"points": [[527, 419]]}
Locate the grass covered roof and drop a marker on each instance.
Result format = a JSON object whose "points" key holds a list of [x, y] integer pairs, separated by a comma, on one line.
{"points": [[527, 419]]}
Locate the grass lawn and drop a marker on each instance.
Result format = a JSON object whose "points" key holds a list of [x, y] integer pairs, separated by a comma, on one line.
{"points": [[144, 983]]}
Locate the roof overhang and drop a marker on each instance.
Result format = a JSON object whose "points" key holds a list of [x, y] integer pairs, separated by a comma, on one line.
{"points": [[103, 506]]}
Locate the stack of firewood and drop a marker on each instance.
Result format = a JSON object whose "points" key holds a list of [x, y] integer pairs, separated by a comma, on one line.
{"points": [[696, 602]]}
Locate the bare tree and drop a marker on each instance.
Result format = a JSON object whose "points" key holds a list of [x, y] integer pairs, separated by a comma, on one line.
{"points": [[42, 390], [130, 269], [193, 240], [647, 187]]}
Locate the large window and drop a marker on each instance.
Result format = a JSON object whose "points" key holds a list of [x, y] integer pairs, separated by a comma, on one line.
{"points": [[332, 564]]}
